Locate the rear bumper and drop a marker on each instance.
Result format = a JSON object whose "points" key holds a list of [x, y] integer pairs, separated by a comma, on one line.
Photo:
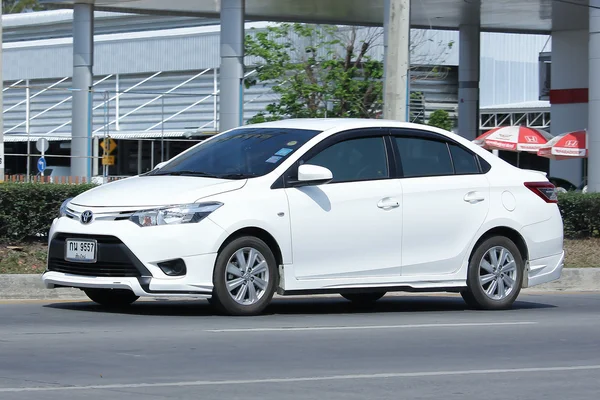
{"points": [[547, 269]]}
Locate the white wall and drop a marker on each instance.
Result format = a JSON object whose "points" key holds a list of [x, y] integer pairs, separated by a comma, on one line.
{"points": [[509, 67]]}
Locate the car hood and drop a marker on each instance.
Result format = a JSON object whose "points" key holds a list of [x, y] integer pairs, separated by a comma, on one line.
{"points": [[152, 191]]}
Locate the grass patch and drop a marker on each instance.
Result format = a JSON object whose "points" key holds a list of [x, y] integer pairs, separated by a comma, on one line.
{"points": [[30, 258]]}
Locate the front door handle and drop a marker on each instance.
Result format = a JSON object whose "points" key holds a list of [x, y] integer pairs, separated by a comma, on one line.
{"points": [[473, 197], [388, 203]]}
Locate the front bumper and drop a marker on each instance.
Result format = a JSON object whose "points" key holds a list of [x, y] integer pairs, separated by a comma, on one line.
{"points": [[128, 257], [143, 287]]}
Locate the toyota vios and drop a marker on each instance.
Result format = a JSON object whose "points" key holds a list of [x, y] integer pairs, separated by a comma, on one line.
{"points": [[355, 207]]}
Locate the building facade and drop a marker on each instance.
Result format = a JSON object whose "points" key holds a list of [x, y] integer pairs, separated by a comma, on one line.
{"points": [[156, 83]]}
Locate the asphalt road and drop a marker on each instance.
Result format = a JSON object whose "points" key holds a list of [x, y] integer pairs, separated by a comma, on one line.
{"points": [[408, 347]]}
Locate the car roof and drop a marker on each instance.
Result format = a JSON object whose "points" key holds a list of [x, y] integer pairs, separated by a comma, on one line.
{"points": [[325, 124]]}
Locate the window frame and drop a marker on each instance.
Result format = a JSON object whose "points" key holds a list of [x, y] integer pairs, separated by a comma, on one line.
{"points": [[286, 179], [483, 166]]}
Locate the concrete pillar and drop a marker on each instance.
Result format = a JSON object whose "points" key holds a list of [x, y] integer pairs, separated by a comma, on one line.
{"points": [[594, 98], [2, 160], [396, 41], [568, 97], [232, 64], [83, 61], [468, 74]]}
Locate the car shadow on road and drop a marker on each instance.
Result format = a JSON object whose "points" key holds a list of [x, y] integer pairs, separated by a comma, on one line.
{"points": [[296, 306]]}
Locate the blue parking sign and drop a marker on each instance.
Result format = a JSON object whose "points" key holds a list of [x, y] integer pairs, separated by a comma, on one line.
{"points": [[41, 165]]}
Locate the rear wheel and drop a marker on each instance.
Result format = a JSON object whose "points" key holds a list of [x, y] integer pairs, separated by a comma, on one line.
{"points": [[245, 277], [111, 297], [495, 275], [363, 298]]}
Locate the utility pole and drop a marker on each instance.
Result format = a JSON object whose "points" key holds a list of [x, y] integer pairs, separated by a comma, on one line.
{"points": [[396, 59]]}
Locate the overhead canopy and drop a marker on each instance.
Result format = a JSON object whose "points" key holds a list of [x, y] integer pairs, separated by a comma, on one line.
{"points": [[496, 15]]}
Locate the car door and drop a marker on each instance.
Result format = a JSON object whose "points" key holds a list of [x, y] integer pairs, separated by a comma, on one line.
{"points": [[350, 227], [445, 201]]}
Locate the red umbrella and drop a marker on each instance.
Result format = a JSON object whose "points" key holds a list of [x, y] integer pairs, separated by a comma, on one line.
{"points": [[514, 138], [566, 146]]}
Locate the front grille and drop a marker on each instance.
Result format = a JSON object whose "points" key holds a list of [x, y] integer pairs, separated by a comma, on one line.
{"points": [[101, 216], [96, 269], [114, 259]]}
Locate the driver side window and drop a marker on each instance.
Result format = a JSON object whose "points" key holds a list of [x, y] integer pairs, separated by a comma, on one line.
{"points": [[359, 159]]}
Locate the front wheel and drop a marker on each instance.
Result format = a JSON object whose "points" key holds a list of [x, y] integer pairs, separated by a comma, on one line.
{"points": [[495, 275], [111, 297], [244, 278]]}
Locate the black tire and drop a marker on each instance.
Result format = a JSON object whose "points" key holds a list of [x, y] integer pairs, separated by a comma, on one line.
{"points": [[111, 297], [475, 295], [363, 298], [222, 299]]}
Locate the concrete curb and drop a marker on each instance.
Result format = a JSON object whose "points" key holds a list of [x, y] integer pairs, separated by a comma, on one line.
{"points": [[30, 287]]}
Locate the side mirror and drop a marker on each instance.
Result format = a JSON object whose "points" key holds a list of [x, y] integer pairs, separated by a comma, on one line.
{"points": [[313, 175], [160, 165]]}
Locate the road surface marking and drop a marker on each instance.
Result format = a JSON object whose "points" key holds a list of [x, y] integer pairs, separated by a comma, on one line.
{"points": [[362, 327], [305, 379]]}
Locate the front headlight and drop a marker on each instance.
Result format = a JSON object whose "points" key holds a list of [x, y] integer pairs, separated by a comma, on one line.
{"points": [[62, 211], [172, 215]]}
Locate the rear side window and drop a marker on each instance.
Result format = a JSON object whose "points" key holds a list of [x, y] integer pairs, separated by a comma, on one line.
{"points": [[464, 161], [424, 157]]}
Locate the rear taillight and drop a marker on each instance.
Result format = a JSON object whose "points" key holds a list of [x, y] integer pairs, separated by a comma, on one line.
{"points": [[545, 190]]}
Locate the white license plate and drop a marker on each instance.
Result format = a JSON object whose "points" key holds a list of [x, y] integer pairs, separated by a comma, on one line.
{"points": [[81, 250]]}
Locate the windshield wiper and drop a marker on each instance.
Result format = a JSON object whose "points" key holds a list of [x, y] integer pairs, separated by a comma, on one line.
{"points": [[186, 173], [237, 176]]}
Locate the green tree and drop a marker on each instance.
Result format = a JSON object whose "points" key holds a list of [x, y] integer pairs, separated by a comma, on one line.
{"points": [[19, 6], [327, 74], [441, 119], [319, 71]]}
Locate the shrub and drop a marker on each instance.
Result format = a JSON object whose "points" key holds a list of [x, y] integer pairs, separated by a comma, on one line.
{"points": [[441, 119], [27, 209], [581, 214]]}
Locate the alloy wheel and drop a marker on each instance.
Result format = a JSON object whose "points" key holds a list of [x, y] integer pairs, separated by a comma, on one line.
{"points": [[498, 273], [247, 276]]}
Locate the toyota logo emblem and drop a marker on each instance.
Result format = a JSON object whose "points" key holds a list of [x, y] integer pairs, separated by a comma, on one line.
{"points": [[86, 217]]}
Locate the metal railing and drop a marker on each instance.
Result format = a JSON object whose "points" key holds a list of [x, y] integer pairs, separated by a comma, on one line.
{"points": [[533, 119]]}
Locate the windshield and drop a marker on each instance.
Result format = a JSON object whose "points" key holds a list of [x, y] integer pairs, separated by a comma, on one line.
{"points": [[240, 153]]}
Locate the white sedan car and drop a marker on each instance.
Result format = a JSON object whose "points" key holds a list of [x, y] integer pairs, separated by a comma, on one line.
{"points": [[355, 207]]}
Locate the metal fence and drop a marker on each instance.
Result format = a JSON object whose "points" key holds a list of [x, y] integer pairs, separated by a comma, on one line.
{"points": [[150, 117]]}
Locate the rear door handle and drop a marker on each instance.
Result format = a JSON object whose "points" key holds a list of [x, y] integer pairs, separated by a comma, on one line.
{"points": [[388, 203], [473, 197]]}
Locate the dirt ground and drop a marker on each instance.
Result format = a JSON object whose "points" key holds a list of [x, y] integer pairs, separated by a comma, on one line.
{"points": [[27, 258], [584, 253], [30, 258]]}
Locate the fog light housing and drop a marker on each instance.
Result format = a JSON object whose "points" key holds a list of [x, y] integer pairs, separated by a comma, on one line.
{"points": [[173, 267]]}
